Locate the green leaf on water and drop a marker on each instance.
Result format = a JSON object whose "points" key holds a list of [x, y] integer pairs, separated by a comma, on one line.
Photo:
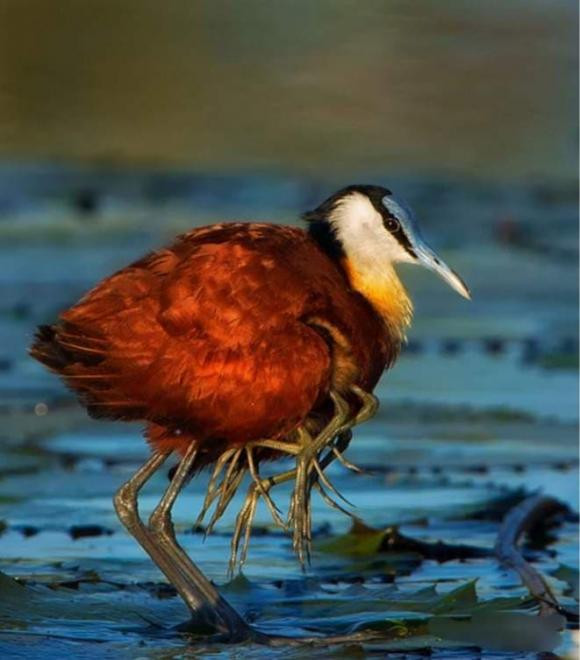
{"points": [[560, 361], [569, 575], [429, 601], [11, 499], [461, 601], [501, 631], [459, 618], [360, 541], [363, 541], [40, 603], [238, 585], [462, 597], [10, 588]]}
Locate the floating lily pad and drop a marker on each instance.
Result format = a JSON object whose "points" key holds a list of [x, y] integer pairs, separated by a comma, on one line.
{"points": [[501, 631], [571, 576]]}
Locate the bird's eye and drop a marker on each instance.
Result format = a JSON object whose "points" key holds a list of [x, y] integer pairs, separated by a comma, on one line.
{"points": [[392, 224]]}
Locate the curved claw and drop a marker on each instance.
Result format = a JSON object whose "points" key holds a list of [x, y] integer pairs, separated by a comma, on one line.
{"points": [[332, 503], [244, 521], [274, 511], [347, 464], [212, 489], [341, 410], [243, 526], [322, 477], [299, 514], [227, 489], [370, 405]]}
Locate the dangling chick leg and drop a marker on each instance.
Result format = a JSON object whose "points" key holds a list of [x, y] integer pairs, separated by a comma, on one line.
{"points": [[299, 513], [264, 485], [308, 472]]}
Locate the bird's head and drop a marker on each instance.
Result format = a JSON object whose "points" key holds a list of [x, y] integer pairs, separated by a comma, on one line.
{"points": [[372, 230]]}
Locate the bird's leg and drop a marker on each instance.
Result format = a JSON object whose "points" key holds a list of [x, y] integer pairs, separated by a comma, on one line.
{"points": [[258, 488], [322, 480], [370, 405], [245, 517], [307, 462], [299, 513], [212, 488], [335, 451], [347, 464], [228, 487], [204, 603], [233, 477], [282, 446], [274, 511], [299, 509], [210, 606], [333, 504]]}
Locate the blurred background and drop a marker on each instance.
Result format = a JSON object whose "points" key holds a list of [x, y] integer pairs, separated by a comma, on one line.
{"points": [[123, 123]]}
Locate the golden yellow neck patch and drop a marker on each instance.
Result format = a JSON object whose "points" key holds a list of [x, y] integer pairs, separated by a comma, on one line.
{"points": [[386, 293]]}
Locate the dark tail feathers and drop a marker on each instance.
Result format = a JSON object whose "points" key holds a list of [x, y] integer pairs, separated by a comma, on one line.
{"points": [[47, 350]]}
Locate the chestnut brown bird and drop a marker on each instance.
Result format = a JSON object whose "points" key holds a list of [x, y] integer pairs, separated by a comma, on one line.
{"points": [[237, 344]]}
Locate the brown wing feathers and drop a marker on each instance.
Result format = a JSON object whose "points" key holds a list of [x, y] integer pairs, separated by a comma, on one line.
{"points": [[209, 336]]}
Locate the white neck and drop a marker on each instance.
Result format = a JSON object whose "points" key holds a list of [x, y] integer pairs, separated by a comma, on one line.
{"points": [[365, 240], [370, 254]]}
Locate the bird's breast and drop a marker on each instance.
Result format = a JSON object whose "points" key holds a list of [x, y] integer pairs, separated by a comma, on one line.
{"points": [[385, 292]]}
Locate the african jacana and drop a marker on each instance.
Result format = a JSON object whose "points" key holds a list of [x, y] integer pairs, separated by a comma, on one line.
{"points": [[240, 343]]}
